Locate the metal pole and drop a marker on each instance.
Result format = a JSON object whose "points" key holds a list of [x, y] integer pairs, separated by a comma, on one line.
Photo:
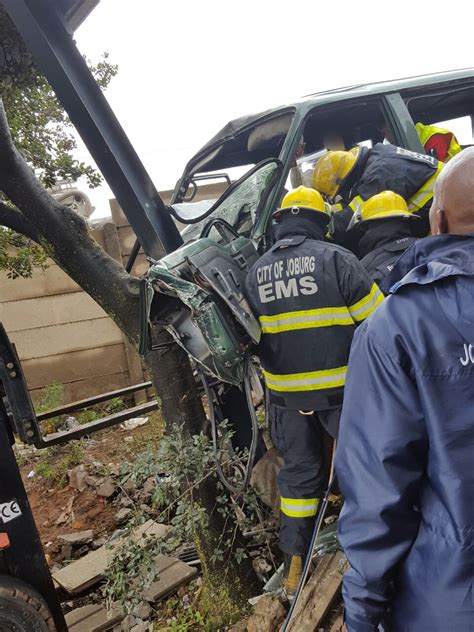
{"points": [[44, 31]]}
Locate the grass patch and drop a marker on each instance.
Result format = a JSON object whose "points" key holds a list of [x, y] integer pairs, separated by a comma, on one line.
{"points": [[150, 435], [218, 608], [98, 411], [52, 396], [57, 460]]}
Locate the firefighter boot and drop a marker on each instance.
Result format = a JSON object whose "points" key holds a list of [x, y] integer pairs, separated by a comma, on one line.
{"points": [[292, 571]]}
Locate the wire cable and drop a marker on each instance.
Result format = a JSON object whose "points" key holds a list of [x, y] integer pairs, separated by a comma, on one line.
{"points": [[235, 489]]}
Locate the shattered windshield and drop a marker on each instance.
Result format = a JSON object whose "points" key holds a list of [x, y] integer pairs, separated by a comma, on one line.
{"points": [[240, 205]]}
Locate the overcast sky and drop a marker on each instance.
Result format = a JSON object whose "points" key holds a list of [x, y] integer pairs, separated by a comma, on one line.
{"points": [[186, 68]]}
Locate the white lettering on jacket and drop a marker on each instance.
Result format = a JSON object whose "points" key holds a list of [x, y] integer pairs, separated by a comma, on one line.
{"points": [[287, 289], [283, 279], [468, 355]]}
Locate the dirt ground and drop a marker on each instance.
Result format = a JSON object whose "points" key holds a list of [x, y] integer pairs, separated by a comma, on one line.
{"points": [[59, 509], [51, 499]]}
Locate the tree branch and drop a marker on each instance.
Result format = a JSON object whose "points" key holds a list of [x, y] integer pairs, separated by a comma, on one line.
{"points": [[13, 219], [66, 238], [6, 140], [17, 179]]}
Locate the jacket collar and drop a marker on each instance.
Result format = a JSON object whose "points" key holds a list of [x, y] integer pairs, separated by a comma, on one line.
{"points": [[288, 242], [302, 226], [431, 259], [353, 177], [383, 232]]}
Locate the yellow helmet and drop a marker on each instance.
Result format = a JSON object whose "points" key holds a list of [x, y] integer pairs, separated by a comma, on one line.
{"points": [[303, 198], [382, 206], [331, 169]]}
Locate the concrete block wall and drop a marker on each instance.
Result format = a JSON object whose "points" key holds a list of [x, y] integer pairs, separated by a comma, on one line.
{"points": [[61, 334]]}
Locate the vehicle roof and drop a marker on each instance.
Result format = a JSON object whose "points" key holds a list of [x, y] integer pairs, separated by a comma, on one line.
{"points": [[236, 126], [388, 86]]}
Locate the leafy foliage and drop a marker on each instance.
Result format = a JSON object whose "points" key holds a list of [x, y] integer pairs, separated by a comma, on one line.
{"points": [[41, 131], [189, 620], [57, 460], [179, 465], [114, 405], [19, 255], [52, 396], [40, 127]]}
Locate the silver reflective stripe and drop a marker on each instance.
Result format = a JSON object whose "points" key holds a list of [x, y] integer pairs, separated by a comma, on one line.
{"points": [[309, 381], [296, 510], [367, 306], [303, 319], [422, 196]]}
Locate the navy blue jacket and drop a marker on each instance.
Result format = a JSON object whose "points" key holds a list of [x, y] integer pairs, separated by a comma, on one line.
{"points": [[405, 459], [309, 296], [386, 167]]}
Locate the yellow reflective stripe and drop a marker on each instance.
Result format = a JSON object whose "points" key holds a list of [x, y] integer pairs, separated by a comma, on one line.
{"points": [[365, 299], [370, 308], [424, 195], [299, 507], [356, 203], [301, 502], [310, 381], [299, 513], [360, 310], [305, 312], [305, 319], [335, 208]]}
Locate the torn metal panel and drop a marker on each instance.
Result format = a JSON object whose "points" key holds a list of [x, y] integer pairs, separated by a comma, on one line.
{"points": [[197, 325], [197, 294]]}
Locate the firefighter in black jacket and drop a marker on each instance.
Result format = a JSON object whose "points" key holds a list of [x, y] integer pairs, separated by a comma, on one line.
{"points": [[309, 296], [352, 177], [385, 224]]}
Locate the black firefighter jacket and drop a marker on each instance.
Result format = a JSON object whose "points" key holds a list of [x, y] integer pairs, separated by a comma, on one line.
{"points": [[386, 167], [381, 261], [309, 295], [383, 244]]}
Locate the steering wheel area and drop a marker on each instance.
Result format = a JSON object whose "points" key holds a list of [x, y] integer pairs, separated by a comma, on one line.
{"points": [[225, 230]]}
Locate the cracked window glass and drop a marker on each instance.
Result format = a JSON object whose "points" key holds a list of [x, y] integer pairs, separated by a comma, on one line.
{"points": [[240, 205]]}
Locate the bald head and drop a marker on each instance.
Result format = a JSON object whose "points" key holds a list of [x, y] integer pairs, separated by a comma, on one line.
{"points": [[452, 210]]}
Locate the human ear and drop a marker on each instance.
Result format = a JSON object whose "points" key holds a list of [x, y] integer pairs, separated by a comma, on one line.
{"points": [[442, 227]]}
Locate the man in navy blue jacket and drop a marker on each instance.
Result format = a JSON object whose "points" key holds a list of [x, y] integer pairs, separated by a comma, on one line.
{"points": [[405, 460]]}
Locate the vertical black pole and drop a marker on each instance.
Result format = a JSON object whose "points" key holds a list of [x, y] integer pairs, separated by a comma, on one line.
{"points": [[42, 27]]}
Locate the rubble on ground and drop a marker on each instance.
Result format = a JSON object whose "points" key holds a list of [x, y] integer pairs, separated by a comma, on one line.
{"points": [[106, 489], [79, 549], [268, 615], [78, 478]]}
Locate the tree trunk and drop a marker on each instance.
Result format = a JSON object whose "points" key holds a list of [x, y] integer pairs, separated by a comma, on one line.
{"points": [[67, 240], [176, 388]]}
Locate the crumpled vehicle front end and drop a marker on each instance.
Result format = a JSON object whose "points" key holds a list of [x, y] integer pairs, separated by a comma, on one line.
{"points": [[196, 294]]}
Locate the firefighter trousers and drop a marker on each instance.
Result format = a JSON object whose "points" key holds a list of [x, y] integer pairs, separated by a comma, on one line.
{"points": [[301, 480]]}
